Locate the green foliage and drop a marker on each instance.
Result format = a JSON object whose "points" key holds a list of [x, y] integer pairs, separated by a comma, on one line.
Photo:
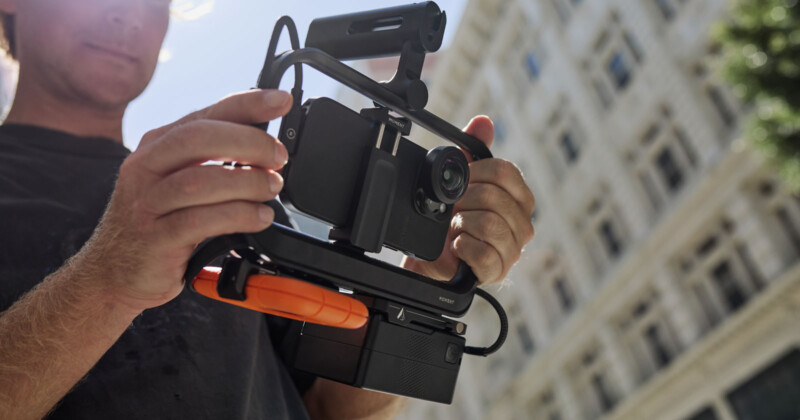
{"points": [[761, 41]]}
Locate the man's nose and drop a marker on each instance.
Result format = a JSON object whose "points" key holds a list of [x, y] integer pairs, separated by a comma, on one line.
{"points": [[127, 13]]}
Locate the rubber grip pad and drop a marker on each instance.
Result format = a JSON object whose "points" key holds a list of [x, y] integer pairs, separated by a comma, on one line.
{"points": [[289, 298]]}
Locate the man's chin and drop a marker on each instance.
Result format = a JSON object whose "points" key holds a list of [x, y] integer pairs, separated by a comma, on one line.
{"points": [[110, 95]]}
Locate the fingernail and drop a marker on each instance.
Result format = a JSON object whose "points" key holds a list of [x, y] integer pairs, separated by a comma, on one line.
{"points": [[281, 155], [275, 182], [266, 214], [276, 98]]}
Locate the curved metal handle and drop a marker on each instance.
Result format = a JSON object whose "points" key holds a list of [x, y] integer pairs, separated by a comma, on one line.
{"points": [[373, 90]]}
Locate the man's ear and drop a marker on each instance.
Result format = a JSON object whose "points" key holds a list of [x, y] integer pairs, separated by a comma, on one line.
{"points": [[8, 7]]}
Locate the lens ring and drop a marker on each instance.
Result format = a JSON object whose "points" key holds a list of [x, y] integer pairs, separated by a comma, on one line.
{"points": [[446, 174]]}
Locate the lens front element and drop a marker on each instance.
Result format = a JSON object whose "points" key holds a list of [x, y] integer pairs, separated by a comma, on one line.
{"points": [[452, 178]]}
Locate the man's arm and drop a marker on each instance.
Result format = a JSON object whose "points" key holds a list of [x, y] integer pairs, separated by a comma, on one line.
{"points": [[53, 336], [163, 204]]}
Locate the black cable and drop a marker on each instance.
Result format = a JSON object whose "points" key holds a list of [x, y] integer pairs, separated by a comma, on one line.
{"points": [[501, 338]]}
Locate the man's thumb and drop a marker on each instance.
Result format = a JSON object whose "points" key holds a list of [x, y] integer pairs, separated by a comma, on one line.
{"points": [[482, 128]]}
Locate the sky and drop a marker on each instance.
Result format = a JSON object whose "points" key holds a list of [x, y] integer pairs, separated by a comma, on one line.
{"points": [[218, 48]]}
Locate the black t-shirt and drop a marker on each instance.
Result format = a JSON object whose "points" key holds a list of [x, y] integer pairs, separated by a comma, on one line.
{"points": [[190, 358]]}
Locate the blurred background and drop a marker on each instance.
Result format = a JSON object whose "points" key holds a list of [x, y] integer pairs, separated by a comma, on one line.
{"points": [[661, 140]]}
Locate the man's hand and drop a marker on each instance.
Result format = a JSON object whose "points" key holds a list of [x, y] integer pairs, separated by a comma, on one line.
{"points": [[491, 222], [165, 202]]}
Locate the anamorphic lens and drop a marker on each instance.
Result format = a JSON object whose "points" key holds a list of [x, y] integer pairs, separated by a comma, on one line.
{"points": [[445, 175]]}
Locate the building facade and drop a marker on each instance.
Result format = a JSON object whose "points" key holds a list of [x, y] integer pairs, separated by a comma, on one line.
{"points": [[663, 281]]}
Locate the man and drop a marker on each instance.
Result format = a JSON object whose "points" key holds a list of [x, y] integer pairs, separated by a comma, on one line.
{"points": [[94, 239]]}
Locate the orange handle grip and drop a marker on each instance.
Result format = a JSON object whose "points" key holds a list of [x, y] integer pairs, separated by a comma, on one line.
{"points": [[289, 298]]}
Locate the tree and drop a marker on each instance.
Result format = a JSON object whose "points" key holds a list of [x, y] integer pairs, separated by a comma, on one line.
{"points": [[761, 42]]}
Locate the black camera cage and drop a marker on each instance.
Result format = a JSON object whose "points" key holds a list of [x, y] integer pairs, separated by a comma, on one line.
{"points": [[294, 254]]}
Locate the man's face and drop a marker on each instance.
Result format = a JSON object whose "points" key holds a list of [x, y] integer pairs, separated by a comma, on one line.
{"points": [[98, 52]]}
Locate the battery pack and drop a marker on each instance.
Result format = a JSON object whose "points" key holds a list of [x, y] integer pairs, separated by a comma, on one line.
{"points": [[408, 360]]}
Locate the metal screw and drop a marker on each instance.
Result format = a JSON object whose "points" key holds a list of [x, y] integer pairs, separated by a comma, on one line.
{"points": [[290, 134], [460, 327]]}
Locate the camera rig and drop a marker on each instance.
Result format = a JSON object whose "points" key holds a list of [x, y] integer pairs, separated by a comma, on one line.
{"points": [[368, 323]]}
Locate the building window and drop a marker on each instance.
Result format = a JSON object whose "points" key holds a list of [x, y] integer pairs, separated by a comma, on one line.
{"points": [[532, 65], [720, 273], [520, 345], [717, 99], [728, 284], [655, 340], [569, 148], [721, 105], [647, 334], [523, 334], [612, 61], [619, 70], [603, 393], [788, 220], [771, 394], [525, 338], [783, 213], [563, 140], [603, 231], [591, 379], [666, 9], [610, 238], [544, 406], [563, 294], [663, 160], [554, 285], [529, 58], [670, 172]]}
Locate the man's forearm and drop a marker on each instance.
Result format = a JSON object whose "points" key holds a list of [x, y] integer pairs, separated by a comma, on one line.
{"points": [[52, 336], [332, 400]]}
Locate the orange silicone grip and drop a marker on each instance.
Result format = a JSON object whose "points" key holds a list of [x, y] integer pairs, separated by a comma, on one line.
{"points": [[289, 298]]}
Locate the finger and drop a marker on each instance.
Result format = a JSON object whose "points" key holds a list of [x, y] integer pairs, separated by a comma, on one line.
{"points": [[505, 175], [481, 257], [200, 141], [250, 107], [490, 228], [191, 225], [200, 185], [490, 197], [482, 128]]}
